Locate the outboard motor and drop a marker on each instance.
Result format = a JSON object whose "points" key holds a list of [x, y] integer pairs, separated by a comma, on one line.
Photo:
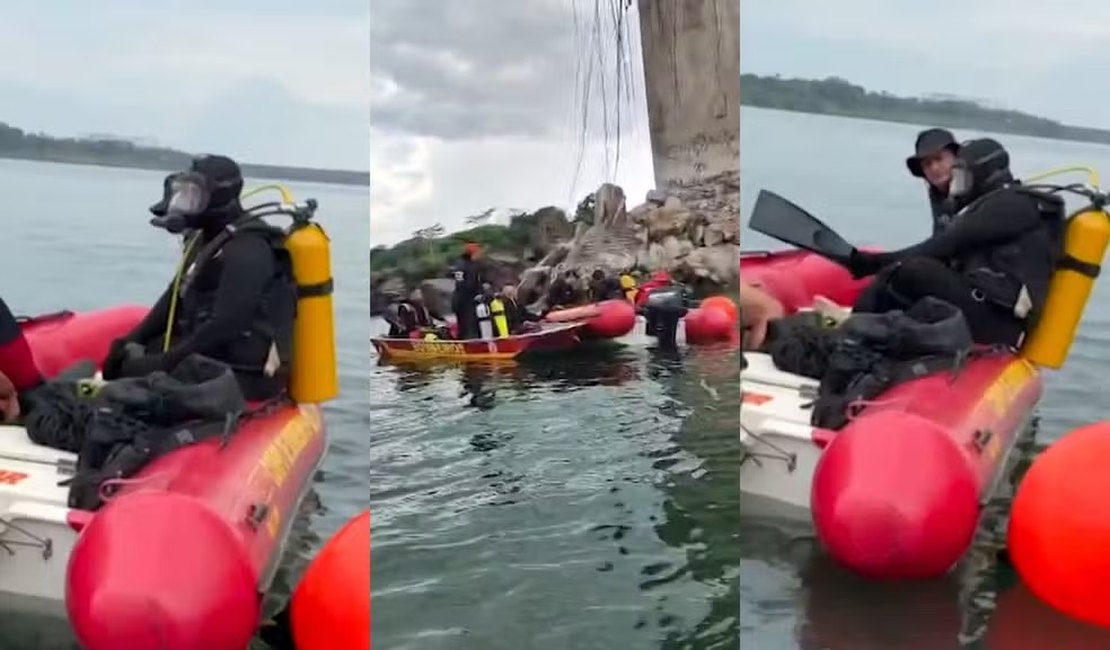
{"points": [[663, 309]]}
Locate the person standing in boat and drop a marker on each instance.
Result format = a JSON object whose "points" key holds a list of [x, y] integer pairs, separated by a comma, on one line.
{"points": [[994, 262], [469, 273], [934, 154], [236, 299]]}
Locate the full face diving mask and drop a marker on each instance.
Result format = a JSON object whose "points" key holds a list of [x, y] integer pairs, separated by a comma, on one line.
{"points": [[186, 197]]}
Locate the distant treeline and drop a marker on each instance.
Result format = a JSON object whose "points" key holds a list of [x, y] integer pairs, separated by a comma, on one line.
{"points": [[15, 143], [836, 96]]}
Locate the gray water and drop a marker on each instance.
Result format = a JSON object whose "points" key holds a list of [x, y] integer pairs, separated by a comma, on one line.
{"points": [[851, 173], [578, 501], [77, 237]]}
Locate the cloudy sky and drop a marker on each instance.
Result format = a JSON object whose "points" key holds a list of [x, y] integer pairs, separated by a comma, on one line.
{"points": [[280, 81], [1046, 58], [479, 104]]}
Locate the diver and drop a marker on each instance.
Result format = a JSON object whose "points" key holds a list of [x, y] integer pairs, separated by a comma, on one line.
{"points": [[518, 319], [993, 263], [561, 293], [469, 274], [934, 154], [391, 314], [414, 315], [604, 286], [234, 300]]}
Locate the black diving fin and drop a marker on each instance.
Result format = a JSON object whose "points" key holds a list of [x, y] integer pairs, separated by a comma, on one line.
{"points": [[777, 217]]}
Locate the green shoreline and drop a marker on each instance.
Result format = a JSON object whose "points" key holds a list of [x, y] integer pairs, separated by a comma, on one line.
{"points": [[15, 144], [840, 98], [250, 170]]}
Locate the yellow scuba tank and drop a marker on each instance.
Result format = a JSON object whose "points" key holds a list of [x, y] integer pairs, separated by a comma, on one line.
{"points": [[1085, 240], [313, 376], [500, 322], [628, 286]]}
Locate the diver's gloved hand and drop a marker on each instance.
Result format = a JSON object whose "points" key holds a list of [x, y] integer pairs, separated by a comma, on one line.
{"points": [[113, 362], [863, 264], [144, 365]]}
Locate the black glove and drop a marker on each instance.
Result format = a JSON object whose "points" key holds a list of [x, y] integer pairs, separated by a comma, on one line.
{"points": [[143, 366], [863, 264], [113, 362]]}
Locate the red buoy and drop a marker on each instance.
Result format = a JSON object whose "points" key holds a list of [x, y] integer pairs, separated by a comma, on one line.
{"points": [[331, 604], [614, 319], [1059, 530], [723, 303], [704, 325], [160, 571], [1021, 621], [894, 497]]}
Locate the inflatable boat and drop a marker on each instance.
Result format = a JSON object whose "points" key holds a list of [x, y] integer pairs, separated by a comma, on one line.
{"points": [[225, 506], [551, 338], [608, 319], [178, 555], [896, 492]]}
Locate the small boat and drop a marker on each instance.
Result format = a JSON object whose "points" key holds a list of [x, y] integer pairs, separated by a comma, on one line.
{"points": [[550, 338], [224, 505], [896, 493]]}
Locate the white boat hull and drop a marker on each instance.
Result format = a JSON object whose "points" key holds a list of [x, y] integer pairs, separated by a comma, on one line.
{"points": [[780, 454], [35, 536]]}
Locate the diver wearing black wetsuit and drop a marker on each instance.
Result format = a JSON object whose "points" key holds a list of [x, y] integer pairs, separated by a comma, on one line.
{"points": [[236, 302], [604, 287], [994, 262], [469, 274]]}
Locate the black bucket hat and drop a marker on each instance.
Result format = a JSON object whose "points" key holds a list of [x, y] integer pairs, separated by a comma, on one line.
{"points": [[929, 142]]}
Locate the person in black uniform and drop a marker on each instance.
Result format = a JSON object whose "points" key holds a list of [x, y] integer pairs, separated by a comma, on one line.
{"points": [[236, 300], [517, 315], [604, 287], [994, 262], [414, 313], [561, 291], [934, 155], [469, 274]]}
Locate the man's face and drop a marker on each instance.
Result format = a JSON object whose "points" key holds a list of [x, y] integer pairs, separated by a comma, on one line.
{"points": [[937, 168]]}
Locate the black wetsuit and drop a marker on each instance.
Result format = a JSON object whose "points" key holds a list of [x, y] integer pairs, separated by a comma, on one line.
{"points": [[516, 315], [941, 210], [413, 316], [998, 244], [237, 308], [469, 275], [560, 293], [605, 288]]}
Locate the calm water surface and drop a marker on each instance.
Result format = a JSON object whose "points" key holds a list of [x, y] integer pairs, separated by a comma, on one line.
{"points": [[77, 238], [852, 174], [583, 501]]}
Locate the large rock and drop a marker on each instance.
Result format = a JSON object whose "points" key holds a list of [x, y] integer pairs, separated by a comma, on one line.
{"points": [[692, 232]]}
